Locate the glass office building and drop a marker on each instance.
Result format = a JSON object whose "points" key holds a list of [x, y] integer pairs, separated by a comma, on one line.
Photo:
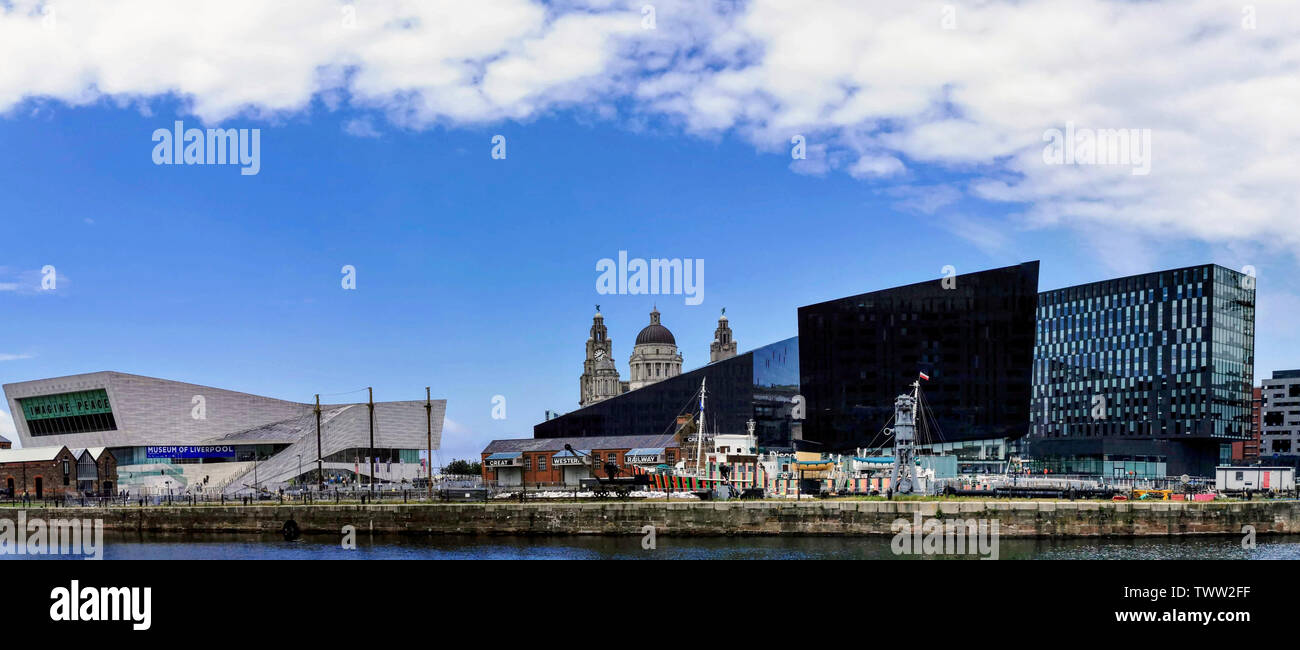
{"points": [[1144, 376], [972, 334], [760, 385]]}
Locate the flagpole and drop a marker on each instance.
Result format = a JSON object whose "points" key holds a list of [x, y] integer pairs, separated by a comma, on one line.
{"points": [[428, 411]]}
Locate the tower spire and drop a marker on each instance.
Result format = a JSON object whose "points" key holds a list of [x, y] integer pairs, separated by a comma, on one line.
{"points": [[723, 345]]}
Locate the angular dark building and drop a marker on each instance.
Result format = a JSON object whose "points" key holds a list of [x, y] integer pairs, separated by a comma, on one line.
{"points": [[1144, 376], [973, 335], [760, 384]]}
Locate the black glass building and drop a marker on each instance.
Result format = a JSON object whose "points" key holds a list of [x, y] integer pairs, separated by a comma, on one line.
{"points": [[760, 384], [1145, 376], [972, 334]]}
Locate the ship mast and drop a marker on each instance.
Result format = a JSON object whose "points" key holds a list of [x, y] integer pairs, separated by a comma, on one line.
{"points": [[699, 435], [904, 479]]}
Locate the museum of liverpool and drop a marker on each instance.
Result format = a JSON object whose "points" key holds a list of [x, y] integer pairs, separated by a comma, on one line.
{"points": [[180, 437], [1143, 376]]}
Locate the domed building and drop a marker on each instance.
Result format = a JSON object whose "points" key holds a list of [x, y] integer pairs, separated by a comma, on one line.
{"points": [[655, 356]]}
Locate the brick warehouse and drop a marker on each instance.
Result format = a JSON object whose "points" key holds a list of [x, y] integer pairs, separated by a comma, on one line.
{"points": [[544, 461], [44, 472]]}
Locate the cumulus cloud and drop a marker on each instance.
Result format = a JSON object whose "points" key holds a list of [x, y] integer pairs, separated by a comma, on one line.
{"points": [[878, 89], [7, 427], [33, 281], [361, 127]]}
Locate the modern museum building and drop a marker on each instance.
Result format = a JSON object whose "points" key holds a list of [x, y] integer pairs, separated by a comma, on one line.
{"points": [[182, 437]]}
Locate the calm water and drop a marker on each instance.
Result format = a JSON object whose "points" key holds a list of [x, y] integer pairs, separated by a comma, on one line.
{"points": [[154, 546]]}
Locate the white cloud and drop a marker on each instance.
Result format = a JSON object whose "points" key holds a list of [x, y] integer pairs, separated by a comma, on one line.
{"points": [[877, 88], [7, 427], [15, 357], [31, 282], [361, 127]]}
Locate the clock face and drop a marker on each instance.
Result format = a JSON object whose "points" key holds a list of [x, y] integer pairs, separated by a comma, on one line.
{"points": [[600, 354]]}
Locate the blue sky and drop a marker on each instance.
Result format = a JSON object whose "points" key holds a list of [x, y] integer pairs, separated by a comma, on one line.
{"points": [[477, 276]]}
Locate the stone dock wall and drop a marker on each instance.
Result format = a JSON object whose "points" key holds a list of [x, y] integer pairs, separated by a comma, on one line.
{"points": [[849, 518]]}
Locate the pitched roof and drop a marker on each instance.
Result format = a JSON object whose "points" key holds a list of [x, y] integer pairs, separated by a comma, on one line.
{"points": [[94, 452], [29, 454], [592, 442]]}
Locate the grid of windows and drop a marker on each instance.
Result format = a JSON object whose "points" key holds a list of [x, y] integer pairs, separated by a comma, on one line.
{"points": [[79, 412], [72, 424], [1280, 414], [1161, 355], [972, 335]]}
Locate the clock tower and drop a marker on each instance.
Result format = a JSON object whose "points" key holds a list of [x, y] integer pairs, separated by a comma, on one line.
{"points": [[599, 379]]}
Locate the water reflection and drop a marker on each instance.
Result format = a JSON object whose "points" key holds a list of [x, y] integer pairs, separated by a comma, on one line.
{"points": [[160, 546]]}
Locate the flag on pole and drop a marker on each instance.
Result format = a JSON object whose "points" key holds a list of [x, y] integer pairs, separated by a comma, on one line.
{"points": [[924, 376]]}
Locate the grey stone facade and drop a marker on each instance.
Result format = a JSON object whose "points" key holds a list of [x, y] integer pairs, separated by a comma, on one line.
{"points": [[1279, 414], [158, 412]]}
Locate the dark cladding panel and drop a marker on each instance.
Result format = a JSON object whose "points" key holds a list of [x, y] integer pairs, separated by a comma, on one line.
{"points": [[654, 408], [973, 335], [759, 384]]}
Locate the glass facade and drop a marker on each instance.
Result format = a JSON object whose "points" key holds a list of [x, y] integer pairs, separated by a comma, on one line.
{"points": [[79, 412], [1165, 356], [141, 455], [759, 385], [973, 335]]}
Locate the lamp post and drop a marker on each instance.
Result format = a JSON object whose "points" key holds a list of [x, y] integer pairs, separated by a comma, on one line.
{"points": [[371, 402], [428, 463], [320, 471]]}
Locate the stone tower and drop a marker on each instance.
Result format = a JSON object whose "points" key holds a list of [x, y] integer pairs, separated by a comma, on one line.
{"points": [[723, 346], [599, 379]]}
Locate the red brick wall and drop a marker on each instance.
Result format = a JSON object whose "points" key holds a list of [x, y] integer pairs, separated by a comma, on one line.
{"points": [[107, 472], [51, 473], [553, 474]]}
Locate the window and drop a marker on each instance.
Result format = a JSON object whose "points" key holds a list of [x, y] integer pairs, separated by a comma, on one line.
{"points": [[67, 472], [541, 463]]}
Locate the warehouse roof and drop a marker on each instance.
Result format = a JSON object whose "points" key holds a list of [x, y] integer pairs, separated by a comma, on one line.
{"points": [[645, 451], [29, 454], [94, 452], [593, 442]]}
